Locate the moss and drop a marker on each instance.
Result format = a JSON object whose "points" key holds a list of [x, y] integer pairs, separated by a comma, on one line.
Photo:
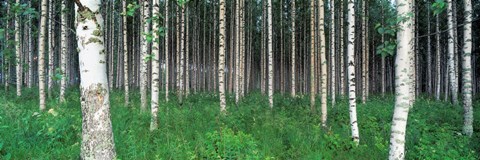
{"points": [[94, 40], [97, 32]]}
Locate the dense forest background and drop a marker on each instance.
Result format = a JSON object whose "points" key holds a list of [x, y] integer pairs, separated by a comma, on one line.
{"points": [[275, 68]]}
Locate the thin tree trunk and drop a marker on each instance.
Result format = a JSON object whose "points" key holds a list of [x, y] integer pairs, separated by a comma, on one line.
{"points": [[438, 58], [429, 53], [155, 67], [18, 53], [51, 46], [41, 53], [144, 56], [30, 50], [270, 54], [293, 53], [167, 58], [63, 45], [467, 71], [312, 56], [364, 52], [332, 51], [342, 50], [221, 59], [351, 71], [182, 54], [451, 54], [125, 54], [323, 62]]}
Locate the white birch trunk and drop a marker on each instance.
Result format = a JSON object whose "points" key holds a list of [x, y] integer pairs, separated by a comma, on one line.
{"points": [[167, 58], [270, 54], [41, 53], [18, 53], [451, 54], [63, 60], [323, 63], [467, 70], [155, 67], [351, 70], [125, 55], [332, 51], [97, 134], [403, 81], [144, 56], [221, 58]]}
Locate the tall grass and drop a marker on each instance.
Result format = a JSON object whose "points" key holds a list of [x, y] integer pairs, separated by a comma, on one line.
{"points": [[250, 130]]}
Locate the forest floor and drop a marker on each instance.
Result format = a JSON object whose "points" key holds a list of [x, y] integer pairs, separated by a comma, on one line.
{"points": [[250, 130]]}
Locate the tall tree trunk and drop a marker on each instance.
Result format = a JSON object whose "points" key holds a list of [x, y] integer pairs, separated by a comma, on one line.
{"points": [[403, 82], [312, 56], [237, 50], [167, 58], [438, 58], [323, 62], [342, 50], [97, 134], [18, 52], [51, 46], [451, 54], [429, 52], [364, 52], [467, 70], [270, 54], [41, 53], [63, 60], [383, 69], [221, 59], [155, 66], [293, 53], [351, 70], [332, 51], [144, 55], [30, 49], [111, 36], [182, 54], [126, 77]]}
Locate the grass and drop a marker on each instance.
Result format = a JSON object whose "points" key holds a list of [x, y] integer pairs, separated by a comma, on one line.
{"points": [[250, 130]]}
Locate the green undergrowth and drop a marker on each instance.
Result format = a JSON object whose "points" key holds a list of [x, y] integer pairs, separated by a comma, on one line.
{"points": [[250, 130]]}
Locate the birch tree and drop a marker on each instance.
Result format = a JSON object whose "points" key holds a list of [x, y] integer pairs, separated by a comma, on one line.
{"points": [[403, 80], [221, 57], [323, 62], [63, 60], [125, 53], [155, 66], [167, 58], [97, 134], [451, 54], [18, 51], [293, 10], [270, 53], [351, 70], [332, 50], [41, 53], [144, 55], [467, 70], [312, 56]]}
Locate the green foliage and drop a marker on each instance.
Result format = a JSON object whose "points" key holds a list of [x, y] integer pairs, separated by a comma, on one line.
{"points": [[438, 7], [249, 131], [229, 145], [131, 9]]}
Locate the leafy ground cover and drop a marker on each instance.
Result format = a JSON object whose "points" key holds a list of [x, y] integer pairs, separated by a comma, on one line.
{"points": [[250, 130]]}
